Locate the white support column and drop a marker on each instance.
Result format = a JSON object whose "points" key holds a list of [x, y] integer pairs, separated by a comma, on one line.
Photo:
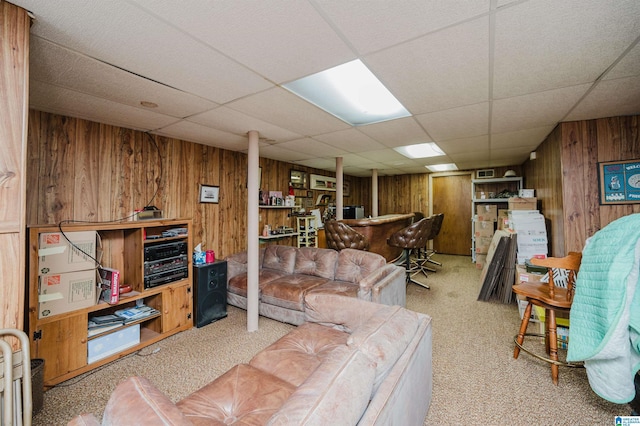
{"points": [[252, 231], [374, 193], [339, 189]]}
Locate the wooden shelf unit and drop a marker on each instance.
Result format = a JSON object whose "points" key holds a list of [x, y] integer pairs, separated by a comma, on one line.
{"points": [[490, 185], [307, 231], [62, 340]]}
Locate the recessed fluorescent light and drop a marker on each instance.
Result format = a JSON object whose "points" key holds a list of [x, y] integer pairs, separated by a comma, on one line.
{"points": [[421, 150], [350, 92], [442, 167]]}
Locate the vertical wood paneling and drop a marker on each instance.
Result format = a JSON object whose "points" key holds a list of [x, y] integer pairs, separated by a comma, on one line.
{"points": [[544, 174], [14, 78], [87, 158], [573, 185], [108, 172], [569, 191]]}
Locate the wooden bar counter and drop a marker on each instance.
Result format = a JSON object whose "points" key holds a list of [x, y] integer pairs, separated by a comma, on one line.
{"points": [[378, 229]]}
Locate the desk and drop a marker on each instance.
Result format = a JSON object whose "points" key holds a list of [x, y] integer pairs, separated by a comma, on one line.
{"points": [[378, 229]]}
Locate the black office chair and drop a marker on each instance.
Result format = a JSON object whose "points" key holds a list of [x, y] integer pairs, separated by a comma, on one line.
{"points": [[411, 238]]}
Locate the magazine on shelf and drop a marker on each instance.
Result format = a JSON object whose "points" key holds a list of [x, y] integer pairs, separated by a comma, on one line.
{"points": [[136, 313]]}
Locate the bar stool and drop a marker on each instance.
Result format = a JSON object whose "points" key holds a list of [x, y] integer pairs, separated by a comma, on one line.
{"points": [[411, 238], [341, 236]]}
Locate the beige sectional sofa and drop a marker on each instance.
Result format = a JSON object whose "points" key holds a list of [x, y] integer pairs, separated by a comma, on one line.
{"points": [[287, 274], [352, 362]]}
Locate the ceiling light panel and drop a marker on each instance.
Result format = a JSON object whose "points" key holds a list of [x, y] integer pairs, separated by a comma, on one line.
{"points": [[350, 92], [421, 150]]}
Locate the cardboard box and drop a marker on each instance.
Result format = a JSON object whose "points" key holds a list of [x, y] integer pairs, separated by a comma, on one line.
{"points": [[482, 244], [521, 203], [60, 293], [112, 343], [522, 276], [481, 260], [57, 255], [483, 228], [487, 212], [503, 219]]}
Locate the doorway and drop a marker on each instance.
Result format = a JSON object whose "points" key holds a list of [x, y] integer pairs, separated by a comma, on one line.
{"points": [[450, 193]]}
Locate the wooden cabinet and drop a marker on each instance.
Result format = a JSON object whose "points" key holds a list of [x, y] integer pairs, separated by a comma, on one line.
{"points": [[63, 339]]}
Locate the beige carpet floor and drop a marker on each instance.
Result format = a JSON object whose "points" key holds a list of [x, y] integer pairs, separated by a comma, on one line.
{"points": [[476, 381]]}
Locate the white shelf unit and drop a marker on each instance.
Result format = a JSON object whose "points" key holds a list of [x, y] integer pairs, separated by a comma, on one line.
{"points": [[493, 185], [307, 231]]}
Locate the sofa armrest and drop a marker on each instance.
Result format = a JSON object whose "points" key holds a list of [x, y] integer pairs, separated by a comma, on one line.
{"points": [[138, 398], [236, 264], [386, 286]]}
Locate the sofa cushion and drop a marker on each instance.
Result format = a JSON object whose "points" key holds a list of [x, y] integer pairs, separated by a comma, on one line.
{"points": [[317, 262], [343, 313], [138, 395], [280, 258], [384, 337], [238, 284], [289, 290], [296, 355], [341, 288], [337, 392], [243, 395], [354, 265]]}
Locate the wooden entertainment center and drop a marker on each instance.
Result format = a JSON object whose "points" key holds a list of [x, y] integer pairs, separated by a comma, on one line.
{"points": [[63, 339]]}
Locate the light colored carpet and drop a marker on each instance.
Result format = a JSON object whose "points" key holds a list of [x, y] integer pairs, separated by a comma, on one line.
{"points": [[475, 378]]}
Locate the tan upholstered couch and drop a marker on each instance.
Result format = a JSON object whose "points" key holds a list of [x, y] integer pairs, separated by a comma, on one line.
{"points": [[287, 274], [352, 362]]}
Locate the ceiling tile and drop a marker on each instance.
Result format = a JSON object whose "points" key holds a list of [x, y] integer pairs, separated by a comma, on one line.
{"points": [[259, 34], [232, 121], [45, 97], [59, 66], [456, 123], [312, 147], [547, 44], [534, 110], [608, 99], [195, 132], [350, 140], [629, 65], [445, 69], [374, 25], [154, 49], [282, 108], [474, 144], [401, 132], [529, 138]]}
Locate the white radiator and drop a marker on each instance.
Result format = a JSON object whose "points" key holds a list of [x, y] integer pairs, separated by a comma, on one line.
{"points": [[15, 381]]}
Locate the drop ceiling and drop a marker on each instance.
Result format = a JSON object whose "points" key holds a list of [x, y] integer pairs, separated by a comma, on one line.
{"points": [[487, 80]]}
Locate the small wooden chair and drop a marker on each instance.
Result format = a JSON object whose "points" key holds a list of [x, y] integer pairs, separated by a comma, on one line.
{"points": [[552, 298]]}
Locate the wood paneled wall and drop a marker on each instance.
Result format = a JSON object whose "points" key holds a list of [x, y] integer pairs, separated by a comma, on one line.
{"points": [[82, 170], [565, 175], [403, 194], [14, 86]]}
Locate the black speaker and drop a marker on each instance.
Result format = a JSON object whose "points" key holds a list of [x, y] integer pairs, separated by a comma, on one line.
{"points": [[210, 296]]}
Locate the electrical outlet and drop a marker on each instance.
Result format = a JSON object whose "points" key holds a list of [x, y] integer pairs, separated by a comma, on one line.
{"points": [[259, 218]]}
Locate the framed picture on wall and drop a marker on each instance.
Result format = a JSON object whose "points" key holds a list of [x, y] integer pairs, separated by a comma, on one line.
{"points": [[298, 179], [209, 194], [619, 182]]}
